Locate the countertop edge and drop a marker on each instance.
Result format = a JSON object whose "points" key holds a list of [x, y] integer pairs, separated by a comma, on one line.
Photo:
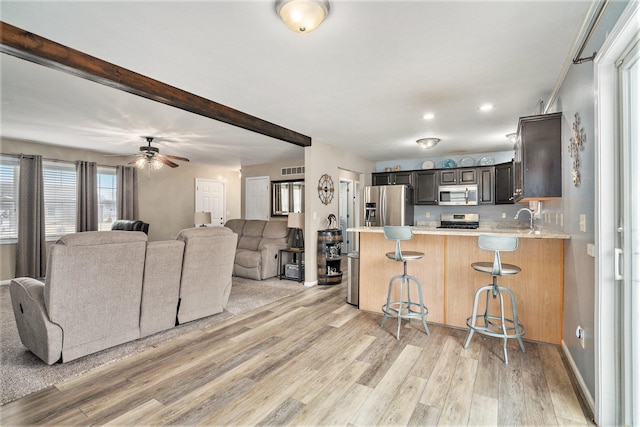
{"points": [[521, 233]]}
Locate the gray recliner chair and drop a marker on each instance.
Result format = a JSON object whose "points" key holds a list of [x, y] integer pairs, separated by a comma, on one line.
{"points": [[90, 299], [130, 225]]}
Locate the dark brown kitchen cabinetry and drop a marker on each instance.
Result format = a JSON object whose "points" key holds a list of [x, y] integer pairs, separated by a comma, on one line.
{"points": [[485, 185], [504, 184], [538, 157], [426, 189], [458, 176], [392, 178]]}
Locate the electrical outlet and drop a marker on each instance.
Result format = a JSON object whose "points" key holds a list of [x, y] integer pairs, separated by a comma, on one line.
{"points": [[428, 214], [561, 220], [504, 215], [590, 250], [580, 335], [583, 223]]}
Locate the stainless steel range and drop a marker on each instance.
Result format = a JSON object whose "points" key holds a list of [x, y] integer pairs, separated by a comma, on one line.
{"points": [[469, 221]]}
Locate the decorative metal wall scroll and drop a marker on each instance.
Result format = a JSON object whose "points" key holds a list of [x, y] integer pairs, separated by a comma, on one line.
{"points": [[325, 189], [576, 144]]}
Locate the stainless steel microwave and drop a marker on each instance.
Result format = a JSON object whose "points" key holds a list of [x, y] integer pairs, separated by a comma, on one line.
{"points": [[459, 195]]}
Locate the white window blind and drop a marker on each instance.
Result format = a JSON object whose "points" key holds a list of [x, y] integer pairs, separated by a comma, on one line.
{"points": [[107, 208], [59, 198], [9, 168]]}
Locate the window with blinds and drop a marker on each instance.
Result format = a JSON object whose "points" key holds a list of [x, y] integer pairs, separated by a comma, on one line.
{"points": [[9, 168], [106, 197], [59, 183]]}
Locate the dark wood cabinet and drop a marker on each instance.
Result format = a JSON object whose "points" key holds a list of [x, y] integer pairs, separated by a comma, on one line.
{"points": [[458, 176], [538, 162], [504, 184], [485, 185], [329, 256], [426, 190], [392, 178]]}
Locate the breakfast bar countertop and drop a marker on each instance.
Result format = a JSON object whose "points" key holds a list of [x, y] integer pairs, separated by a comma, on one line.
{"points": [[485, 228]]}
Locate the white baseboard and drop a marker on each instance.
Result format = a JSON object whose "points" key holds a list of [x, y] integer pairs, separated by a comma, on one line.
{"points": [[581, 383], [5, 282], [310, 284]]}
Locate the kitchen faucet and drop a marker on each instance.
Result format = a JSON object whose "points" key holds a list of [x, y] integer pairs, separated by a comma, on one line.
{"points": [[530, 216]]}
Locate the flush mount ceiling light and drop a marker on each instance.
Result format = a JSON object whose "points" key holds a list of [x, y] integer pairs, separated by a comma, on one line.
{"points": [[428, 142], [302, 16]]}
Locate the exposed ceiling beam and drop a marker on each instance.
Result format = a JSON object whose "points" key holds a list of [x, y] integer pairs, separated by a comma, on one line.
{"points": [[31, 47]]}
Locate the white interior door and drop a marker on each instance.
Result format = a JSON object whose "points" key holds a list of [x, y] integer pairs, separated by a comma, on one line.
{"points": [[210, 197], [256, 205]]}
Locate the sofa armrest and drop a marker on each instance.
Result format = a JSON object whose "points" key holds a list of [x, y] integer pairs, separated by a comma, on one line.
{"points": [[269, 256], [36, 331]]}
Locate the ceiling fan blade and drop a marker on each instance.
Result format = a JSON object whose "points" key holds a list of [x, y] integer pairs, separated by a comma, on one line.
{"points": [[184, 159], [167, 162]]}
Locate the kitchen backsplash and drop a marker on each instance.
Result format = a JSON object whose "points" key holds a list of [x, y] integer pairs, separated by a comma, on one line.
{"points": [[488, 213]]}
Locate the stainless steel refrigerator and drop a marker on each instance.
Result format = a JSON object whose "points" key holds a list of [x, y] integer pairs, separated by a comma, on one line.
{"points": [[388, 205]]}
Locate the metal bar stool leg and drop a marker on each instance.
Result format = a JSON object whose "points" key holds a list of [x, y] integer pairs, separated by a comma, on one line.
{"points": [[422, 309]]}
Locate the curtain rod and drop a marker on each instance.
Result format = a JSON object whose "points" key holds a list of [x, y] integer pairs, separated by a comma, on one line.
{"points": [[592, 26], [31, 156]]}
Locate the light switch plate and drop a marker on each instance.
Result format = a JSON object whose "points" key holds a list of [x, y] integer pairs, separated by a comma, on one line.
{"points": [[583, 223], [590, 250]]}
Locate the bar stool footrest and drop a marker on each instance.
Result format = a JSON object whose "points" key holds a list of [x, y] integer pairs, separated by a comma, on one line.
{"points": [[403, 310], [486, 329]]}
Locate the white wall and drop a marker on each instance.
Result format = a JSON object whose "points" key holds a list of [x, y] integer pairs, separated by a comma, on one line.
{"points": [[322, 158]]}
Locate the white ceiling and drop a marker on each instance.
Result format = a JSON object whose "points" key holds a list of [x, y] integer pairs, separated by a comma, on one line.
{"points": [[361, 81]]}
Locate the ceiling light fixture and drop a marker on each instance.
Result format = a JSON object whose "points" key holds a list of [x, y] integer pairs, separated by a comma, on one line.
{"points": [[428, 116], [512, 136], [486, 107], [302, 16], [428, 142]]}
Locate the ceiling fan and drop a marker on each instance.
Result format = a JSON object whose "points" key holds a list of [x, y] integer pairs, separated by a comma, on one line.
{"points": [[150, 156]]}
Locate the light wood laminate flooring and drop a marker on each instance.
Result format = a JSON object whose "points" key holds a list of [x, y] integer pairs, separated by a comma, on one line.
{"points": [[312, 359]]}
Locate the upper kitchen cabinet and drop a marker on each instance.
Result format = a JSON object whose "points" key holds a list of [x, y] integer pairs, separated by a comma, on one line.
{"points": [[392, 178], [485, 185], [426, 191], [504, 184], [458, 176], [538, 157]]}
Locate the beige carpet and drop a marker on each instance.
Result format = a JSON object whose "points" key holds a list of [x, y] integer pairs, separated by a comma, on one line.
{"points": [[22, 373]]}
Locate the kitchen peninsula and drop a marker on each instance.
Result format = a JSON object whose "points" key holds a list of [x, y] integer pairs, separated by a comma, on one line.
{"points": [[449, 283]]}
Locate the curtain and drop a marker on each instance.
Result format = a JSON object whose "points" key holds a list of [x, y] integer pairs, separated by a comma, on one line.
{"points": [[30, 250], [127, 181], [87, 196]]}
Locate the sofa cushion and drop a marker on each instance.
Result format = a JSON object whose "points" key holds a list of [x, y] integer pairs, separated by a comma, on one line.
{"points": [[246, 258], [251, 234], [275, 230], [236, 225]]}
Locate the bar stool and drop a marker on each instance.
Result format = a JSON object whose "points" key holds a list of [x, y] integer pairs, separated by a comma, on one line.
{"points": [[403, 309], [490, 325]]}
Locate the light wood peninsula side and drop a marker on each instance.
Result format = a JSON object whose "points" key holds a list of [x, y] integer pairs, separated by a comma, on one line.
{"points": [[449, 283]]}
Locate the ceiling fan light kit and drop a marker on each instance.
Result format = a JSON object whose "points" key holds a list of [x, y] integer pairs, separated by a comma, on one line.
{"points": [[302, 16], [150, 157], [427, 143]]}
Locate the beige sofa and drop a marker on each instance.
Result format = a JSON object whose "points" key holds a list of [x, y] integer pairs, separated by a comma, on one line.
{"points": [[259, 242], [105, 288]]}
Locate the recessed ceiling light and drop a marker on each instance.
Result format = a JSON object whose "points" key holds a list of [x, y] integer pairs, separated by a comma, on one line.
{"points": [[486, 107], [428, 116]]}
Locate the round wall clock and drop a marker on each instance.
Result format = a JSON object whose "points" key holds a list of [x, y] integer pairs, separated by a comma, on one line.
{"points": [[325, 189]]}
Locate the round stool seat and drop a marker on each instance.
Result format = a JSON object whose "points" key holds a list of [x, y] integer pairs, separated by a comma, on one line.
{"points": [[487, 267], [407, 255]]}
